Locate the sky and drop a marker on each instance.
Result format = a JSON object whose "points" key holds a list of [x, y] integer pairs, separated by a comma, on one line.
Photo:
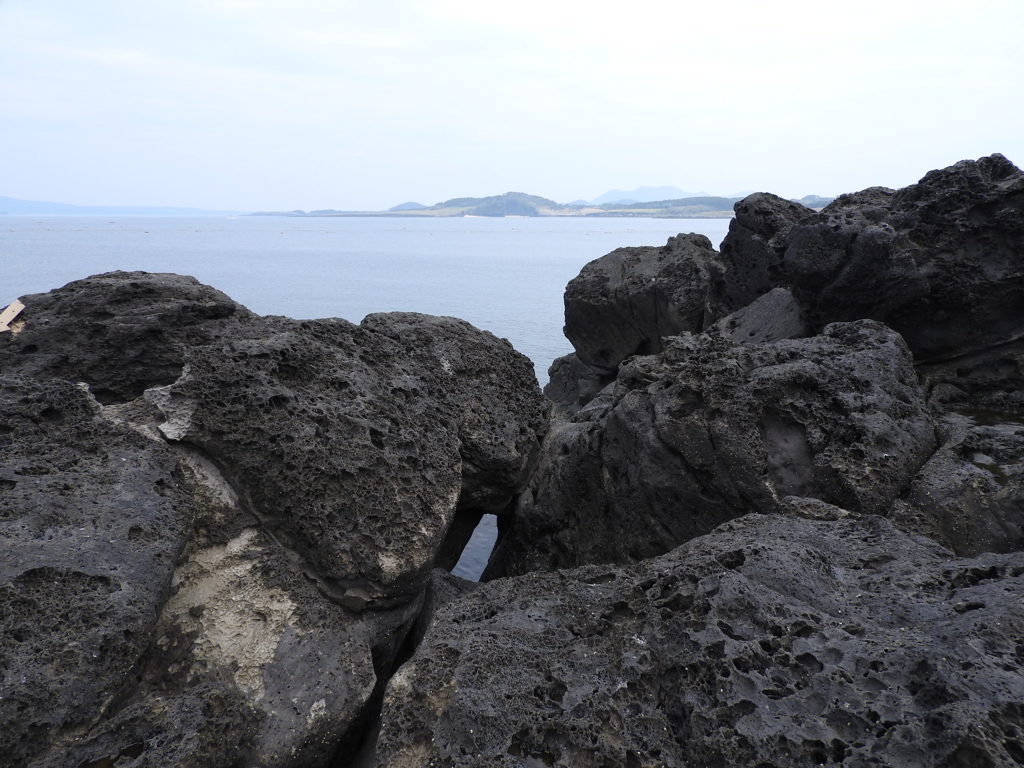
{"points": [[353, 105]]}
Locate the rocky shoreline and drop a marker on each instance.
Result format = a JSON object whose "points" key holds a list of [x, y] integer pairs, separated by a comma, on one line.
{"points": [[770, 512]]}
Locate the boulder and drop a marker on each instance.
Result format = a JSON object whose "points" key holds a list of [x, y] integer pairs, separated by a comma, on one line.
{"points": [[752, 250], [919, 259], [572, 384], [120, 332], [710, 430], [623, 303], [971, 490], [93, 521], [318, 471], [967, 223], [773, 316], [849, 262], [775, 640], [355, 446], [988, 381]]}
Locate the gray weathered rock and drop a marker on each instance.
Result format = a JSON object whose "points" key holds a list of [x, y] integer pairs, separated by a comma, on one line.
{"points": [[941, 261], [120, 332], [92, 522], [572, 384], [356, 445], [772, 317], [774, 640], [967, 223], [319, 470], [972, 488], [752, 250], [625, 302], [707, 431], [990, 380]]}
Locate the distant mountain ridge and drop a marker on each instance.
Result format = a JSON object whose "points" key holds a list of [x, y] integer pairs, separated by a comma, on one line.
{"points": [[644, 195], [507, 204], [522, 204], [14, 207]]}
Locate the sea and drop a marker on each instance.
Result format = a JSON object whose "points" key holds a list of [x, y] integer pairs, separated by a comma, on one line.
{"points": [[504, 275]]}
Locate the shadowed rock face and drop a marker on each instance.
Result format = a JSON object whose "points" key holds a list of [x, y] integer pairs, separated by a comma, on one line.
{"points": [[708, 430], [971, 490], [243, 552], [92, 522], [752, 251], [120, 333], [941, 261], [355, 445], [624, 303], [776, 640]]}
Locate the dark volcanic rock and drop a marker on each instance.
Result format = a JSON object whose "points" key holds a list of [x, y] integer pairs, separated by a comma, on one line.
{"points": [[245, 661], [990, 380], [92, 523], [848, 262], [752, 251], [972, 489], [120, 332], [572, 383], [356, 445], [775, 640], [318, 471], [772, 317], [941, 261], [708, 431], [967, 222], [625, 302]]}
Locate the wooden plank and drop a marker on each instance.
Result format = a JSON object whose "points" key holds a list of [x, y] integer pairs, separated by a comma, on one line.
{"points": [[9, 314]]}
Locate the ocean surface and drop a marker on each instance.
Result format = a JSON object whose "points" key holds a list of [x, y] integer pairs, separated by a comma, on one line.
{"points": [[505, 275]]}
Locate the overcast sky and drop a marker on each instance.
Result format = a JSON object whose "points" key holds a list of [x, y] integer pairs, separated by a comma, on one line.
{"points": [[265, 104]]}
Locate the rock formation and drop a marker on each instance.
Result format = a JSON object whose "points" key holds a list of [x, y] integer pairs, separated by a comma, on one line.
{"points": [[680, 441], [776, 517], [121, 333], [224, 569], [625, 303], [709, 430], [811, 637]]}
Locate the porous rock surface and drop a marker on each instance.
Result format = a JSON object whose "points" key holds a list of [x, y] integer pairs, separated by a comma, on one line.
{"points": [[710, 430], [940, 261], [121, 332], [625, 302], [752, 251], [356, 445], [777, 640], [773, 316], [971, 490], [92, 523], [315, 471]]}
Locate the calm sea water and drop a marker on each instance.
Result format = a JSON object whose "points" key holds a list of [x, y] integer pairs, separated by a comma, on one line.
{"points": [[505, 275]]}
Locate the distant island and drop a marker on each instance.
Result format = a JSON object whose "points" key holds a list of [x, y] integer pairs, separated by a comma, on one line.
{"points": [[638, 203], [10, 206], [521, 204]]}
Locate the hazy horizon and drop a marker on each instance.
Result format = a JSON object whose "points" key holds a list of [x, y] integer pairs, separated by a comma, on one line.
{"points": [[260, 105], [185, 209]]}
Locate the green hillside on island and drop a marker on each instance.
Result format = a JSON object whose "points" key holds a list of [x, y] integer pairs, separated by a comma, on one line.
{"points": [[521, 204]]}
